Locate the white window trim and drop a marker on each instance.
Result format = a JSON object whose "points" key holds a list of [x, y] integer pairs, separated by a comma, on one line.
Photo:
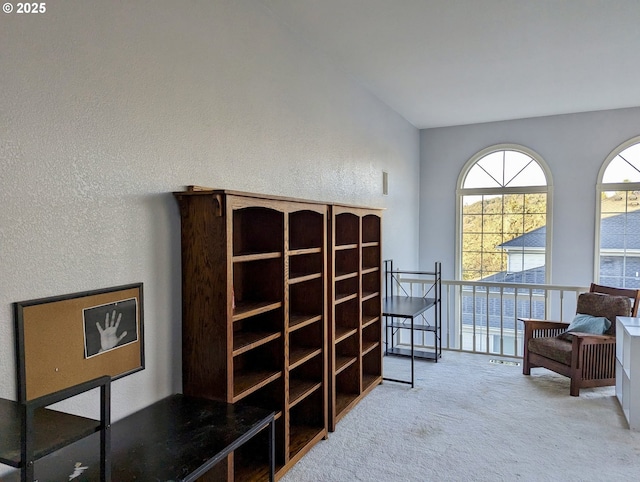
{"points": [[604, 187], [548, 189]]}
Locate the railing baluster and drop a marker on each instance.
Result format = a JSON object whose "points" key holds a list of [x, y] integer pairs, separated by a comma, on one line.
{"points": [[501, 320], [515, 322], [474, 318], [447, 305], [459, 318], [546, 304], [486, 348]]}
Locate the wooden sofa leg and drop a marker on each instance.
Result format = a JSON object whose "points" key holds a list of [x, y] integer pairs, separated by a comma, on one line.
{"points": [[526, 365], [574, 388]]}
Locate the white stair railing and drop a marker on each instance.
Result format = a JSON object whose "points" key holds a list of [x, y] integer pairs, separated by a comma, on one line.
{"points": [[481, 317]]}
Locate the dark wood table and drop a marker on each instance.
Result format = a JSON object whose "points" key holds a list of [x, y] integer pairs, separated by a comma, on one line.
{"points": [[178, 438]]}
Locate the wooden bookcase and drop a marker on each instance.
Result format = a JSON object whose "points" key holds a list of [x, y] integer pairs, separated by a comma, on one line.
{"points": [[254, 324], [355, 327], [281, 310]]}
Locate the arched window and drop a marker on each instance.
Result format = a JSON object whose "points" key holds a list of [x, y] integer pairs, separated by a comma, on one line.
{"points": [[504, 201], [618, 222]]}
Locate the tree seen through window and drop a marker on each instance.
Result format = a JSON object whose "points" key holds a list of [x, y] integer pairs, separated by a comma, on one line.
{"points": [[503, 198]]}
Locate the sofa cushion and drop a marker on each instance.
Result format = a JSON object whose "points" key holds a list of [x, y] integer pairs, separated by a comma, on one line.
{"points": [[596, 304], [596, 325], [552, 347]]}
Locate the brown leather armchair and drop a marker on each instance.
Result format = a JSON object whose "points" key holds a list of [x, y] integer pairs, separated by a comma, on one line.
{"points": [[588, 359]]}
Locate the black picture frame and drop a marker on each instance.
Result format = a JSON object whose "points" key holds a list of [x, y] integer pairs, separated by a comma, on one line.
{"points": [[59, 344]]}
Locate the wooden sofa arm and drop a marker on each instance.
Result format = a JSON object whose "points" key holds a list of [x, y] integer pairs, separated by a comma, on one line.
{"points": [[534, 328], [590, 338], [536, 324]]}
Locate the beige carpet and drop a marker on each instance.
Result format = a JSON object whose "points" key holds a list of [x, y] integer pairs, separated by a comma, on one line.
{"points": [[469, 419]]}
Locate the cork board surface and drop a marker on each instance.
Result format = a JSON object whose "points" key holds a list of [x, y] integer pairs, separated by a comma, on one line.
{"points": [[68, 340]]}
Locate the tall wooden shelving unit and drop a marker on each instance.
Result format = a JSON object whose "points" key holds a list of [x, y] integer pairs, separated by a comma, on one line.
{"points": [[355, 279], [254, 315]]}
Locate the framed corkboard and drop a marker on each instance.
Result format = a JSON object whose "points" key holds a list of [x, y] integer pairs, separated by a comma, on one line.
{"points": [[66, 340]]}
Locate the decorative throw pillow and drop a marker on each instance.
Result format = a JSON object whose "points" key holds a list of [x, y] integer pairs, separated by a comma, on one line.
{"points": [[596, 325]]}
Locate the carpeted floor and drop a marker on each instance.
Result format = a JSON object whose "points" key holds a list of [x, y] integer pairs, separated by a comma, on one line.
{"points": [[468, 419]]}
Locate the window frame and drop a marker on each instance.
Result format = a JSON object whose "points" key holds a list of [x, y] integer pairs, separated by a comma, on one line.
{"points": [[605, 187], [544, 189]]}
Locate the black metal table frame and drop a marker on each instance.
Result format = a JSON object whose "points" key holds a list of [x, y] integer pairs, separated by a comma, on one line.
{"points": [[110, 454], [27, 411], [220, 456], [411, 307], [410, 316]]}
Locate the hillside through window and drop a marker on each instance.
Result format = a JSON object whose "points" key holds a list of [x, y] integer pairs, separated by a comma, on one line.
{"points": [[503, 197], [619, 219]]}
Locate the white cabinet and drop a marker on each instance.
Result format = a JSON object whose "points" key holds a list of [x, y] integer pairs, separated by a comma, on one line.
{"points": [[628, 368]]}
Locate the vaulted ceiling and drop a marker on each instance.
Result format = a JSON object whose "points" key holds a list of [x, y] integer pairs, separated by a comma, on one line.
{"points": [[453, 62]]}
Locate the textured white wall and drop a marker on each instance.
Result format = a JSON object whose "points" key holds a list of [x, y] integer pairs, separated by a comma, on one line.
{"points": [[574, 146], [107, 107]]}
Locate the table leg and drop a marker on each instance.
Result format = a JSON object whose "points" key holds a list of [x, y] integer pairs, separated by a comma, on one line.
{"points": [[412, 354], [105, 433]]}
